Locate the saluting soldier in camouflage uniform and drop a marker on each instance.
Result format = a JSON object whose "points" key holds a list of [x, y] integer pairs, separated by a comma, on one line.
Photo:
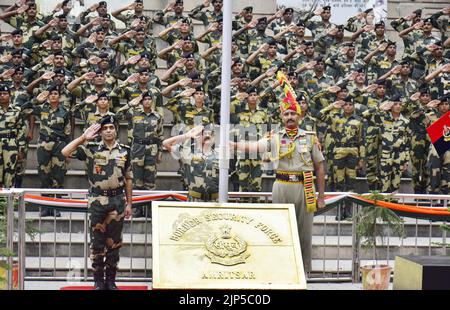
{"points": [[207, 17], [130, 17], [296, 156], [28, 22], [420, 143], [318, 27], [167, 18], [12, 137], [93, 109], [382, 63], [102, 10], [400, 78], [147, 134], [196, 149], [395, 143], [252, 119], [109, 174], [54, 134], [349, 151], [369, 37]]}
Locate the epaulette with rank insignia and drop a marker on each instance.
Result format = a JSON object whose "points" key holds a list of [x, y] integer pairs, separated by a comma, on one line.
{"points": [[125, 146]]}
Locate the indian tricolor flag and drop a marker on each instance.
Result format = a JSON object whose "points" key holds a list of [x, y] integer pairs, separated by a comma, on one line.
{"points": [[439, 133]]}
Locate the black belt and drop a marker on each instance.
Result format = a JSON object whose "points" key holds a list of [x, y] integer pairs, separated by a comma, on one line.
{"points": [[288, 177], [8, 135], [106, 192], [43, 138], [148, 141]]}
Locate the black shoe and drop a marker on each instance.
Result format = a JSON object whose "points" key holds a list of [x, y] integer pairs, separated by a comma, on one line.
{"points": [[99, 281], [110, 279]]}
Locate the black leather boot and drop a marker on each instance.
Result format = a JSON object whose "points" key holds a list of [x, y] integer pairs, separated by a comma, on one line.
{"points": [[99, 280], [110, 282]]}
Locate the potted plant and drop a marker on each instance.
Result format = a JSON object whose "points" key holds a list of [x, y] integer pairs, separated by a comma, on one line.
{"points": [[4, 252], [372, 223]]}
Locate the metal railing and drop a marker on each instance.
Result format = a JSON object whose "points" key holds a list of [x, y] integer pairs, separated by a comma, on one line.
{"points": [[60, 250]]}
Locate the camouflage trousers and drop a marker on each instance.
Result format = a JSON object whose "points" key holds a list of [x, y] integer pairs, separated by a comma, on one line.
{"points": [[21, 166], [8, 161], [328, 145], [344, 169], [51, 164], [419, 149], [391, 162], [439, 172], [106, 223], [372, 156], [144, 165], [250, 176]]}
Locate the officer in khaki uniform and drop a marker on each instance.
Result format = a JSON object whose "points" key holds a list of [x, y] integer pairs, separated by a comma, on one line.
{"points": [[12, 137], [147, 132], [110, 178], [296, 155]]}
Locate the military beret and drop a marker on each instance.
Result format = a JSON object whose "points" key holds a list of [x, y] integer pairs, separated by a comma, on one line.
{"points": [[309, 43], [343, 85], [140, 29], [326, 8], [301, 24], [99, 72], [108, 119], [103, 3], [185, 21], [348, 98], [103, 94], [360, 70], [251, 89], [379, 24], [62, 16], [423, 89], [19, 69], [143, 17], [389, 43], [194, 75], [179, 2], [138, 1], [188, 55], [147, 94], [65, 2], [288, 10], [349, 44], [17, 51], [262, 20], [53, 87], [237, 60], [368, 10], [145, 55], [16, 32], [380, 82], [4, 87], [98, 29], [445, 98], [103, 56], [302, 96], [244, 76], [418, 12], [59, 71], [405, 62], [396, 97], [248, 9], [214, 1], [31, 5], [55, 37], [143, 70], [427, 20], [292, 73], [438, 43], [271, 41], [199, 88], [58, 53], [319, 59]]}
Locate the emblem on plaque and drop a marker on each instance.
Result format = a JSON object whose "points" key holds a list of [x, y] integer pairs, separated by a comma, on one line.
{"points": [[226, 249]]}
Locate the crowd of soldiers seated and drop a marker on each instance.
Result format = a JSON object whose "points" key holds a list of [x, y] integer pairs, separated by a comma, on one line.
{"points": [[369, 104]]}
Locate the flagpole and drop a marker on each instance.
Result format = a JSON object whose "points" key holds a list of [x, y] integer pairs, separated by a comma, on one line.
{"points": [[225, 101]]}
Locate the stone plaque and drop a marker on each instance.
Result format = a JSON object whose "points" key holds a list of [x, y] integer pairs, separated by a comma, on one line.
{"points": [[221, 246]]}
